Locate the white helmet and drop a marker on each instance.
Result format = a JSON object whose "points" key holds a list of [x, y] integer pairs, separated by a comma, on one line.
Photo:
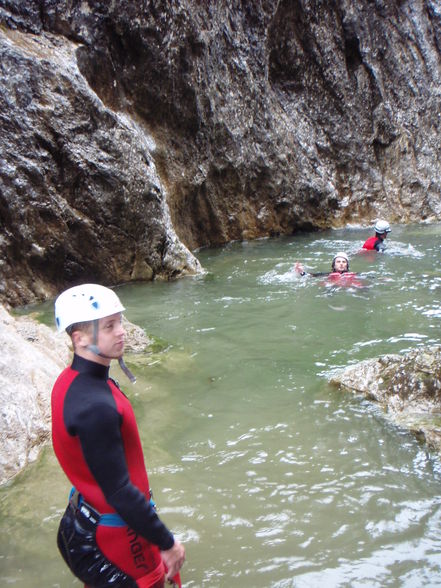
{"points": [[382, 226], [87, 302], [340, 254]]}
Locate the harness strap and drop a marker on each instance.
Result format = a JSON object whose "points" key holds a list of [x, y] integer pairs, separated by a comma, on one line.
{"points": [[111, 519], [114, 520]]}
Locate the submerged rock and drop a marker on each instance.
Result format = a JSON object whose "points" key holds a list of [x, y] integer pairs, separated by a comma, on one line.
{"points": [[408, 387]]}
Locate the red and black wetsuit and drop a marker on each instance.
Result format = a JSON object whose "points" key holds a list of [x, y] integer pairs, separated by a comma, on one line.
{"points": [[374, 243], [96, 440]]}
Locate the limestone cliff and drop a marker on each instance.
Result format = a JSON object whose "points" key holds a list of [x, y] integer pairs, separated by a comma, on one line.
{"points": [[135, 131]]}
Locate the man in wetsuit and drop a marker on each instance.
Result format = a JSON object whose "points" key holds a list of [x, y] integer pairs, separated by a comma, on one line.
{"points": [[382, 228], [340, 265], [110, 534]]}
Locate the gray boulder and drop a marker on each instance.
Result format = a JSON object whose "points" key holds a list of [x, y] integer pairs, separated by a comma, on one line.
{"points": [[407, 387], [32, 356]]}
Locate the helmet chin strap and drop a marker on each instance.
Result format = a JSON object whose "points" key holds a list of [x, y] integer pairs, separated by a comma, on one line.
{"points": [[94, 349], [126, 370]]}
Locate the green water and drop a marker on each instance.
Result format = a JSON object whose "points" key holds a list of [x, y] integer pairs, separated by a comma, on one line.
{"points": [[270, 477]]}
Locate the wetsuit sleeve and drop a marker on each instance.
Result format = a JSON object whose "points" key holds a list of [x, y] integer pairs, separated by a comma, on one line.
{"points": [[379, 246], [101, 442], [319, 274]]}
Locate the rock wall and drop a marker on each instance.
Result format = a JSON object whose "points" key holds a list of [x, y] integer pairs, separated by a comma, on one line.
{"points": [[81, 199], [133, 130]]}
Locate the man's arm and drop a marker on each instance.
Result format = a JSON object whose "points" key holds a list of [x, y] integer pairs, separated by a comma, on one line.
{"points": [[102, 445], [173, 559]]}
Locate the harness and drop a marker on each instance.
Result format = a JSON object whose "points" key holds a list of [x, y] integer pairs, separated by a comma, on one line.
{"points": [[111, 519], [96, 518]]}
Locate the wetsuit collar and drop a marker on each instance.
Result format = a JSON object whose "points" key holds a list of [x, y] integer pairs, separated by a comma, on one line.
{"points": [[80, 364]]}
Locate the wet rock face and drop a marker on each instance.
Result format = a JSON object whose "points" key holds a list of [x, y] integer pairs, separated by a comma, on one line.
{"points": [[81, 199], [124, 119], [407, 386]]}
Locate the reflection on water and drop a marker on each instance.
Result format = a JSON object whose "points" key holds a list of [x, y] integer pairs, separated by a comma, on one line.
{"points": [[269, 476]]}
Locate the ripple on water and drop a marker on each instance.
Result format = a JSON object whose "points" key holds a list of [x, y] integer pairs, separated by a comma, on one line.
{"points": [[276, 276], [271, 477]]}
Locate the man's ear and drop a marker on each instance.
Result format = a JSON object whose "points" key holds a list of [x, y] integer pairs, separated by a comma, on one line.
{"points": [[80, 339]]}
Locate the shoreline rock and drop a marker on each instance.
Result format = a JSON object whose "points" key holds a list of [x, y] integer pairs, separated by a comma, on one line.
{"points": [[407, 387], [32, 357]]}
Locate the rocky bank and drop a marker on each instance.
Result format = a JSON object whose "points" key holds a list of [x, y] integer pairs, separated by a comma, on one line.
{"points": [[32, 357], [133, 132]]}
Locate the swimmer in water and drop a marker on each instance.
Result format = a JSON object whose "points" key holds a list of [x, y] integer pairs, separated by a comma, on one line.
{"points": [[340, 274], [382, 228], [340, 265]]}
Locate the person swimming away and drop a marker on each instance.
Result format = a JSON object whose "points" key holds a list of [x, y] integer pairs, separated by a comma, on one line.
{"points": [[376, 243]]}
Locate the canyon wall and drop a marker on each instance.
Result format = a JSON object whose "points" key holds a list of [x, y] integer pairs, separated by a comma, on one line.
{"points": [[134, 132]]}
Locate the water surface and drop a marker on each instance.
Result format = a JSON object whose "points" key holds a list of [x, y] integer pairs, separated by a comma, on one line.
{"points": [[270, 477]]}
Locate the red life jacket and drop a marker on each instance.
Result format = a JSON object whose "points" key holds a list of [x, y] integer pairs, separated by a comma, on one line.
{"points": [[370, 243], [346, 279]]}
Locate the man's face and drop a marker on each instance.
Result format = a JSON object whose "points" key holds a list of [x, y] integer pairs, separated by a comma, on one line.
{"points": [[340, 264], [111, 336]]}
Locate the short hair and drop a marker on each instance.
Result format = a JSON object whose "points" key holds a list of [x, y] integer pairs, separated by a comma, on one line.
{"points": [[84, 326]]}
